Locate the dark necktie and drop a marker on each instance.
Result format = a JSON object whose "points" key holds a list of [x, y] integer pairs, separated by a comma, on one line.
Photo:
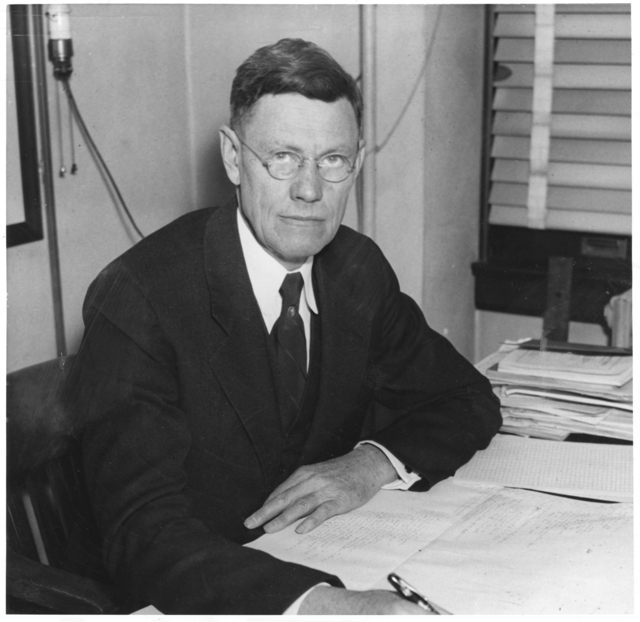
{"points": [[291, 346]]}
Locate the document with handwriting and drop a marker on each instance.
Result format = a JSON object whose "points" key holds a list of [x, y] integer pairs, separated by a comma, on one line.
{"points": [[522, 552], [478, 550], [388, 530]]}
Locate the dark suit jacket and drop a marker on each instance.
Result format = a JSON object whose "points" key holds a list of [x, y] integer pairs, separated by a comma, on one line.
{"points": [[184, 438]]}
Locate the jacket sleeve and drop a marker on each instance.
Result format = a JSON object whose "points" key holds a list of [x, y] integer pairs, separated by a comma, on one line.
{"points": [[443, 408], [135, 442]]}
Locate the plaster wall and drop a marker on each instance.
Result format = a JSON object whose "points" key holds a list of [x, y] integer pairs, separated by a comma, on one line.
{"points": [[428, 172]]}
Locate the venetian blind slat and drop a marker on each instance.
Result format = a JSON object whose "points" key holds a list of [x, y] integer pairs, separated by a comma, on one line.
{"points": [[566, 125], [612, 152], [611, 77], [566, 174], [580, 101], [560, 197], [595, 222], [566, 8], [567, 26], [579, 51]]}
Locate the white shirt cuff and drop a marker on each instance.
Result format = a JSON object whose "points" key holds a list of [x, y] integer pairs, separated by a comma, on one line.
{"points": [[405, 479], [292, 610]]}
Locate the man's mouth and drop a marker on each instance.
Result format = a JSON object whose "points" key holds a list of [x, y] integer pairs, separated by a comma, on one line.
{"points": [[310, 219]]}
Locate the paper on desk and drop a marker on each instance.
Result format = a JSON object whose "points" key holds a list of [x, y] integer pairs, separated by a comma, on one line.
{"points": [[622, 393], [579, 469], [522, 552], [529, 427], [559, 395], [551, 419], [606, 369], [586, 413], [617, 424], [363, 545]]}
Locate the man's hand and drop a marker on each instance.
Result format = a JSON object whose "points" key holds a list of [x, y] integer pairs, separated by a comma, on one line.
{"points": [[320, 491], [325, 600]]}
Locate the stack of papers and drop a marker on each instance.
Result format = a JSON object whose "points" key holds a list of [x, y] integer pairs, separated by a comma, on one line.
{"points": [[553, 394], [566, 366]]}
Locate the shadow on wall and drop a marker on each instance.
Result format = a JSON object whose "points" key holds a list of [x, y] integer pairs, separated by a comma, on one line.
{"points": [[214, 187]]}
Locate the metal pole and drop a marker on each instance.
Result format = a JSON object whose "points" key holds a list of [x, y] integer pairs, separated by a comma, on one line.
{"points": [[367, 214], [47, 177]]}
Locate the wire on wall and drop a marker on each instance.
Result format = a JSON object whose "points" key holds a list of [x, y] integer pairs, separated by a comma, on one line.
{"points": [[379, 147], [96, 153], [365, 188], [60, 55]]}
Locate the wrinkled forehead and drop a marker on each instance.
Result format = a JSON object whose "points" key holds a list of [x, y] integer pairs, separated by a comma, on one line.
{"points": [[292, 112]]}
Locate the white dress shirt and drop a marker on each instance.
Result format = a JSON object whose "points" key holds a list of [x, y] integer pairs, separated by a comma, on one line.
{"points": [[266, 275]]}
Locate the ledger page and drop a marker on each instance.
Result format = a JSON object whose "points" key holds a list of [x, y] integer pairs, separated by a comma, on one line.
{"points": [[371, 541], [577, 469], [522, 552]]}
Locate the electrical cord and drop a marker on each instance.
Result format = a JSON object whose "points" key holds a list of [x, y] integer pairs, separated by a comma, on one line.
{"points": [[85, 131], [63, 169], [378, 148]]}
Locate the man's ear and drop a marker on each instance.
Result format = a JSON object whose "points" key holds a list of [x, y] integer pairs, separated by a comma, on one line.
{"points": [[230, 153]]}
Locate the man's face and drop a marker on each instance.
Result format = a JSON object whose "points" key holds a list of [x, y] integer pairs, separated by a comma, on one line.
{"points": [[294, 218]]}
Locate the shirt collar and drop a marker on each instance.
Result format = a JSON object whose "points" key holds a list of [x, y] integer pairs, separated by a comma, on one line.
{"points": [[267, 273]]}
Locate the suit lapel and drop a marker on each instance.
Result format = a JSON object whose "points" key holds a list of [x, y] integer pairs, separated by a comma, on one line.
{"points": [[240, 358], [344, 316]]}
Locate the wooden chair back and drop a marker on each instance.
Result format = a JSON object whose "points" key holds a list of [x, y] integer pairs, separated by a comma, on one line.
{"points": [[43, 476], [47, 501]]}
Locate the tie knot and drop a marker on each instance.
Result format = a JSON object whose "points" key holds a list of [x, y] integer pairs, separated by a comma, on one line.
{"points": [[290, 289]]}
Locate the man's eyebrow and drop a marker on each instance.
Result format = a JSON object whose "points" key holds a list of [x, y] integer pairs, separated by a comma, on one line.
{"points": [[343, 148]]}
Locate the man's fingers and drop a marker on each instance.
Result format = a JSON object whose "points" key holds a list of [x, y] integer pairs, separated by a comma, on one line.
{"points": [[269, 510], [303, 475], [321, 514], [284, 510], [286, 504], [290, 515], [288, 484], [291, 491]]}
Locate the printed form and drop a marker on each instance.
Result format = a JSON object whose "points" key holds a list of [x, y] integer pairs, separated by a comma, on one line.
{"points": [[577, 469]]}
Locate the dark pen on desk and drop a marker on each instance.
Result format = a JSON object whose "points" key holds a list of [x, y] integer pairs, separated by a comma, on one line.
{"points": [[411, 594]]}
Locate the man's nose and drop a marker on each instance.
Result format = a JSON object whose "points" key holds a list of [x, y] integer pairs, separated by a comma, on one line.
{"points": [[307, 184]]}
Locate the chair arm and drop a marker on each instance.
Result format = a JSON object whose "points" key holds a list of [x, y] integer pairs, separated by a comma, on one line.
{"points": [[61, 591]]}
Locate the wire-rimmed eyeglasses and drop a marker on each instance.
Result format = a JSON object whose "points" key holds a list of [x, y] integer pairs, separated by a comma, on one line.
{"points": [[286, 164]]}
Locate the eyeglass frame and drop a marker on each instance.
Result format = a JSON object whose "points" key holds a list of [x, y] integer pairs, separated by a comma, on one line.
{"points": [[265, 163]]}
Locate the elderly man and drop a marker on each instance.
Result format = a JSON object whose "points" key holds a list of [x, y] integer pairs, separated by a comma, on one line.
{"points": [[230, 359]]}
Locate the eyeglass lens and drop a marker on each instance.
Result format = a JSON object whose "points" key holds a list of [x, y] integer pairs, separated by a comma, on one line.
{"points": [[332, 168]]}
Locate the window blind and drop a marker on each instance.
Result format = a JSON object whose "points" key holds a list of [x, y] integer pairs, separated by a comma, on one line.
{"points": [[588, 173]]}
